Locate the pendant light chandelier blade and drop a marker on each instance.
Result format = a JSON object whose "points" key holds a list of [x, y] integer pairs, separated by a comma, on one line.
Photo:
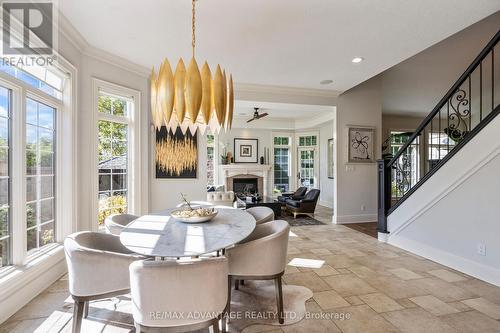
{"points": [[153, 96], [193, 90], [218, 95], [166, 90], [179, 83], [206, 100], [230, 103]]}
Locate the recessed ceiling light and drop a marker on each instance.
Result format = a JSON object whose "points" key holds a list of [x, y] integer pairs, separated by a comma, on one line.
{"points": [[326, 82], [357, 60]]}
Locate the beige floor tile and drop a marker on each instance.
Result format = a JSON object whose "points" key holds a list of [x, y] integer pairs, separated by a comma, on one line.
{"points": [[380, 302], [307, 279], [485, 306], [339, 261], [312, 325], [446, 275], [406, 303], [445, 291], [472, 321], [433, 305], [481, 288], [343, 271], [364, 319], [329, 300], [417, 321], [326, 270], [261, 328], [354, 300], [363, 271], [405, 274], [321, 251], [460, 306], [397, 288], [349, 285]]}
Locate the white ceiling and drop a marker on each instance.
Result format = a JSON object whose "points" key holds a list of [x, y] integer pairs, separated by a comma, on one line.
{"points": [[294, 43], [245, 109]]}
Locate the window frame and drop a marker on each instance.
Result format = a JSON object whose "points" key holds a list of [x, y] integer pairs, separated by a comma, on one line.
{"points": [[315, 148], [291, 161], [65, 151], [133, 121]]}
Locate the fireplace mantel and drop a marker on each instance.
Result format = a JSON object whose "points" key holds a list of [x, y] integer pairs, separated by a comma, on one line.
{"points": [[257, 170]]}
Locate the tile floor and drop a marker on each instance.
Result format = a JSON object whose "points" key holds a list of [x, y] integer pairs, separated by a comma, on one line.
{"points": [[363, 286]]}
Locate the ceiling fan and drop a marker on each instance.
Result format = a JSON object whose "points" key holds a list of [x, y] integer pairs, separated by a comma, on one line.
{"points": [[256, 115]]}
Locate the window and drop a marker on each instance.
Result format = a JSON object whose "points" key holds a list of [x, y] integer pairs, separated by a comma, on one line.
{"points": [[5, 227], [408, 172], [49, 81], [40, 174], [34, 117], [306, 141], [117, 159], [282, 163], [307, 160], [113, 147], [439, 146], [210, 159]]}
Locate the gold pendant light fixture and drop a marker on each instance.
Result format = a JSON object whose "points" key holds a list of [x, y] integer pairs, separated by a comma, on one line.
{"points": [[190, 99]]}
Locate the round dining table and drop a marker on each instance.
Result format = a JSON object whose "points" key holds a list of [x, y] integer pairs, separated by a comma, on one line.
{"points": [[160, 235]]}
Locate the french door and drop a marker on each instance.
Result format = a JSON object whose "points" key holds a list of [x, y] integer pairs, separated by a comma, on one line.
{"points": [[307, 167]]}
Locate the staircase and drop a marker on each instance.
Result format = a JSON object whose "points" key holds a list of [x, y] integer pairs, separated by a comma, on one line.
{"points": [[466, 109]]}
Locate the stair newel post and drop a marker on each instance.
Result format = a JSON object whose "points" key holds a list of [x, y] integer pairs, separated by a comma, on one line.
{"points": [[384, 194]]}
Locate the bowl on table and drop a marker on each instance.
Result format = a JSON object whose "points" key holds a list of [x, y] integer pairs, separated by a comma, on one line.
{"points": [[196, 215]]}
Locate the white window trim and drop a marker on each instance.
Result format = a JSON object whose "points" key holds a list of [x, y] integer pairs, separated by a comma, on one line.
{"points": [[134, 152], [66, 169]]}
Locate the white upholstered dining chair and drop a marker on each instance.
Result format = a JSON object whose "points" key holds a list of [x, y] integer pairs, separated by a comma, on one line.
{"points": [[97, 268], [116, 223], [261, 214], [194, 291], [261, 256]]}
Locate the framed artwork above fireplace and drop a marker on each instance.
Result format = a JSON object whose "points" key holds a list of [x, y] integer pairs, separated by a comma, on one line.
{"points": [[246, 150]]}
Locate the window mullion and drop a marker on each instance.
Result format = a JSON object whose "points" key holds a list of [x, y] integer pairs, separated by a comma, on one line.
{"points": [[19, 237]]}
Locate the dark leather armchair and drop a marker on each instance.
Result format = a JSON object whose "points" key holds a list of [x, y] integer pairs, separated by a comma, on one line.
{"points": [[305, 206], [297, 195]]}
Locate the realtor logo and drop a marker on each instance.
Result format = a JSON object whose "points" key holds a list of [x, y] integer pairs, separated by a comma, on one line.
{"points": [[28, 28]]}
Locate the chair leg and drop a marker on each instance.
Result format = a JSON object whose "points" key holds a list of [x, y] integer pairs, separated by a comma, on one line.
{"points": [[227, 311], [215, 326], [137, 328], [86, 306], [242, 282], [236, 284], [77, 316], [279, 299]]}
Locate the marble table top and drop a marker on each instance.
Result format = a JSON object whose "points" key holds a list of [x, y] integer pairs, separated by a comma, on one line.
{"points": [[161, 235]]}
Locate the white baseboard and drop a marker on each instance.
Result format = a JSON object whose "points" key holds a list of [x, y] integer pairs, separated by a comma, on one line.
{"points": [[467, 266], [346, 219], [26, 284], [326, 204], [383, 237]]}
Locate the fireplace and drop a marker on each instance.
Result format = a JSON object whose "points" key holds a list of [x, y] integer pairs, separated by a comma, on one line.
{"points": [[232, 173], [245, 186]]}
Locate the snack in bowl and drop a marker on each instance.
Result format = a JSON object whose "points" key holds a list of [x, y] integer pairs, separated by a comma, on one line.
{"points": [[197, 215]]}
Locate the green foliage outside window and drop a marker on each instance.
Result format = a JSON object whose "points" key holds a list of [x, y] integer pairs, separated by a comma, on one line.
{"points": [[116, 204]]}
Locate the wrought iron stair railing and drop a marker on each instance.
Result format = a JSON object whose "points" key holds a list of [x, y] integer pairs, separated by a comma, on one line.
{"points": [[470, 104]]}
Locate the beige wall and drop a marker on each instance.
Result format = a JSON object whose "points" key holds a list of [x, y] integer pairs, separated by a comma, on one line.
{"points": [[398, 123], [356, 184]]}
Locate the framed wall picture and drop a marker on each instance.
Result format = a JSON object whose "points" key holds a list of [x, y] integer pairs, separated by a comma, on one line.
{"points": [[361, 144], [176, 154], [330, 158], [246, 150]]}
